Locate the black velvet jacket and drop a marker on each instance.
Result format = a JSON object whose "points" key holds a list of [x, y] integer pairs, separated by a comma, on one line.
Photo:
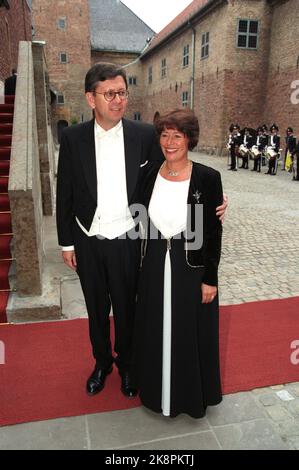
{"points": [[205, 188]]}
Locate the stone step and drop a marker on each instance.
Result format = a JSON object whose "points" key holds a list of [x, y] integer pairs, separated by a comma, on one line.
{"points": [[5, 153], [5, 241], [4, 184], [6, 129], [4, 270], [5, 223], [5, 140], [9, 99], [4, 202], [6, 117], [4, 168], [6, 108]]}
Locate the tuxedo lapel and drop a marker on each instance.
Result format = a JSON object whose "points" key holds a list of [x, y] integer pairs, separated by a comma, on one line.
{"points": [[132, 144], [88, 157]]}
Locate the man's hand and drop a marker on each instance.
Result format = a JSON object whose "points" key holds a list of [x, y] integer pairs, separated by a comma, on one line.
{"points": [[221, 210], [69, 258], [208, 293]]}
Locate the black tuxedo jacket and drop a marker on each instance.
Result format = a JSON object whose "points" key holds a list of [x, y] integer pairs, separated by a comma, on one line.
{"points": [[205, 188], [77, 174]]}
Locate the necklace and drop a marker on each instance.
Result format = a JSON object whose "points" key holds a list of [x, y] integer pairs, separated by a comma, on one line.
{"points": [[175, 173]]}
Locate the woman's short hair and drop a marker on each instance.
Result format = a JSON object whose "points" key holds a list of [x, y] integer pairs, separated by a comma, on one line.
{"points": [[183, 121], [103, 71]]}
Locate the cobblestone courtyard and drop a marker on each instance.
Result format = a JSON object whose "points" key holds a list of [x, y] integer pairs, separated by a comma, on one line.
{"points": [[261, 235]]}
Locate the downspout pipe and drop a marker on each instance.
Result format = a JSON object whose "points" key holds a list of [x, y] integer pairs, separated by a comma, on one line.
{"points": [[193, 65]]}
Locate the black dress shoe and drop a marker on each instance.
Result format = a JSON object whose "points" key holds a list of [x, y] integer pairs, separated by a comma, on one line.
{"points": [[96, 381], [126, 387]]}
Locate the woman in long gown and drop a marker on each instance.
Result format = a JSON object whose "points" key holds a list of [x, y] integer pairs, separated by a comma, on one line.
{"points": [[176, 358]]}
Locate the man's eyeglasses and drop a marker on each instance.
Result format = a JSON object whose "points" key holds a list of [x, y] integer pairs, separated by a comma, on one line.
{"points": [[110, 95]]}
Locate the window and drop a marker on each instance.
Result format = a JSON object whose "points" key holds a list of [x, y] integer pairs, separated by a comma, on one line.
{"points": [[132, 81], [248, 31], [62, 23], [186, 56], [205, 39], [63, 57], [60, 98], [163, 68], [150, 75], [137, 116], [185, 99]]}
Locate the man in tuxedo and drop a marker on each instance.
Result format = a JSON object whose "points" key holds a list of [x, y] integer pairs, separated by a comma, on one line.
{"points": [[100, 167]]}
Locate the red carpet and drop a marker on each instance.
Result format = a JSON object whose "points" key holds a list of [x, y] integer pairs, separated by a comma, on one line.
{"points": [[6, 128], [47, 364], [255, 345]]}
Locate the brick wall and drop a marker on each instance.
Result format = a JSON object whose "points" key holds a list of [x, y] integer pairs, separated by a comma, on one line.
{"points": [[246, 69], [282, 101], [165, 93], [15, 26], [73, 40], [135, 104], [229, 83]]}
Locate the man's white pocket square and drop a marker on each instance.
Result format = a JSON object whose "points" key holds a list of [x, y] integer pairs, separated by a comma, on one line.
{"points": [[143, 164]]}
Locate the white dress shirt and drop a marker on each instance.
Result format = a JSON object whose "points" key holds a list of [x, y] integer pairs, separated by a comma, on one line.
{"points": [[168, 206], [112, 217]]}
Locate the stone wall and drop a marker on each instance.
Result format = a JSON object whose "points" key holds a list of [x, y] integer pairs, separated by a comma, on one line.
{"points": [[24, 182], [74, 41], [282, 86], [45, 141]]}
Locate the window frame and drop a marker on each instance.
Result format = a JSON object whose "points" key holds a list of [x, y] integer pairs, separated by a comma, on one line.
{"points": [[66, 58], [60, 94], [137, 114], [150, 75], [164, 67], [132, 80], [204, 45], [248, 34], [185, 99], [186, 55], [62, 28]]}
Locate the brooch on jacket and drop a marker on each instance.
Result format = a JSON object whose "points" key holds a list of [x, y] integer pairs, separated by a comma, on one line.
{"points": [[197, 196]]}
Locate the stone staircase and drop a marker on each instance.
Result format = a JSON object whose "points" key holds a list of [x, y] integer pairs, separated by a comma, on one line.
{"points": [[6, 126]]}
